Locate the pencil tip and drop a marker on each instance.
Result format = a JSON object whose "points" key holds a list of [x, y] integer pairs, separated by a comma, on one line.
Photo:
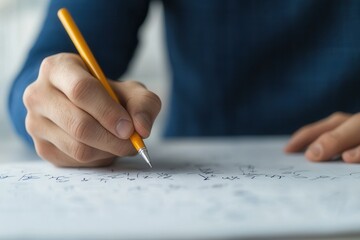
{"points": [[144, 153]]}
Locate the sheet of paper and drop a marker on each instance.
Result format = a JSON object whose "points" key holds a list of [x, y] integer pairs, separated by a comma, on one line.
{"points": [[197, 189]]}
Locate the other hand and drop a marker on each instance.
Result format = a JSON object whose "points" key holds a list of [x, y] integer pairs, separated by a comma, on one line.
{"points": [[336, 135]]}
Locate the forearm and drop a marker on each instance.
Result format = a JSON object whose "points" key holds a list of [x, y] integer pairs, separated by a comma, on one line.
{"points": [[110, 28]]}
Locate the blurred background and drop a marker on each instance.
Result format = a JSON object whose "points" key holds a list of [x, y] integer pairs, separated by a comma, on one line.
{"points": [[20, 21]]}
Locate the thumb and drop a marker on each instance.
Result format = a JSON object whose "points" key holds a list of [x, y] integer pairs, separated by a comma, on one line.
{"points": [[142, 105]]}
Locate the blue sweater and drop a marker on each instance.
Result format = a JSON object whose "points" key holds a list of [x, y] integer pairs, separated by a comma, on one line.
{"points": [[238, 67]]}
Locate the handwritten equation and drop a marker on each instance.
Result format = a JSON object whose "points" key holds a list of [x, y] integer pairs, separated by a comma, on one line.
{"points": [[235, 196], [195, 172]]}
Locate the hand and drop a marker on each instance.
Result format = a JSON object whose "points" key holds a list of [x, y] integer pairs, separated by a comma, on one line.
{"points": [[337, 135], [73, 120]]}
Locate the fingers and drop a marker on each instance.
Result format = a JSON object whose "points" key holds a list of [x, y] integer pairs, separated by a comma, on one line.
{"points": [[53, 144], [48, 151], [352, 155], [72, 119], [142, 104], [337, 141], [306, 135], [337, 135], [78, 151], [87, 93], [80, 126]]}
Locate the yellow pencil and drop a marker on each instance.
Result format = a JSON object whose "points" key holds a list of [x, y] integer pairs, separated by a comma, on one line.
{"points": [[90, 61]]}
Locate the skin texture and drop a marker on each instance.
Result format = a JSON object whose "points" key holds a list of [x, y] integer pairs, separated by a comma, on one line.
{"points": [[73, 120]]}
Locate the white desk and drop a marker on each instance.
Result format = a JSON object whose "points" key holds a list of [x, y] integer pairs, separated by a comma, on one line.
{"points": [[196, 190]]}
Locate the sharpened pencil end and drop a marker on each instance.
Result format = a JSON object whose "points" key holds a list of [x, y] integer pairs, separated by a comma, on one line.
{"points": [[145, 155]]}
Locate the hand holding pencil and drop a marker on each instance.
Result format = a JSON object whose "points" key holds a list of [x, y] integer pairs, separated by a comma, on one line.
{"points": [[75, 120]]}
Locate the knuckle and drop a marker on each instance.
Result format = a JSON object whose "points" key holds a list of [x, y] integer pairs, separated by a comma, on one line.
{"points": [[81, 152], [46, 65], [50, 62], [30, 125], [29, 96], [330, 139], [338, 116], [80, 128], [80, 88]]}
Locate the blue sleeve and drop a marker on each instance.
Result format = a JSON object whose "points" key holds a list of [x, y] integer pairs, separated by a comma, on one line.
{"points": [[110, 28]]}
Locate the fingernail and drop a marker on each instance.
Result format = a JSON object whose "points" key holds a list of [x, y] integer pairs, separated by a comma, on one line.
{"points": [[144, 120], [124, 129], [315, 150]]}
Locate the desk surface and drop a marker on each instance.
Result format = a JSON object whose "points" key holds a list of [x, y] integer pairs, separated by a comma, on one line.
{"points": [[198, 189]]}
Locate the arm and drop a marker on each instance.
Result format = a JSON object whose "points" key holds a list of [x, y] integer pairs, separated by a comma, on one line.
{"points": [[110, 28], [70, 118]]}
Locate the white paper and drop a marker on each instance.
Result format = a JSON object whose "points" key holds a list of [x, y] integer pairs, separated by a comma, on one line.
{"points": [[197, 189]]}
